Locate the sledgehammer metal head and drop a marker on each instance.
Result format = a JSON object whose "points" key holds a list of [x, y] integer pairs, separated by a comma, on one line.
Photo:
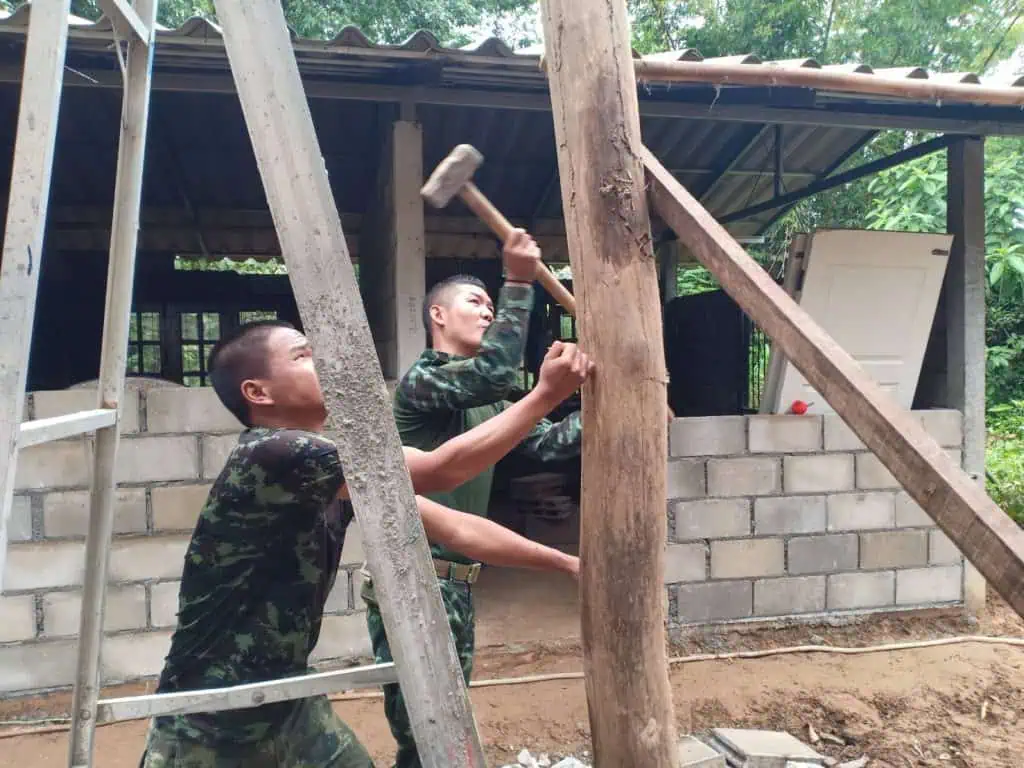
{"points": [[451, 175]]}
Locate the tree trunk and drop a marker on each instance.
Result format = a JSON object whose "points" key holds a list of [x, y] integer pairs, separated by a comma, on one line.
{"points": [[623, 530]]}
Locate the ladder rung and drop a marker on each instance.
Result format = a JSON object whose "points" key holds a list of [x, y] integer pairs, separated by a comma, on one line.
{"points": [[243, 696], [125, 19], [68, 425]]}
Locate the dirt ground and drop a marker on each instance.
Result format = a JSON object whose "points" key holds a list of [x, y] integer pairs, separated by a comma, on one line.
{"points": [[949, 706]]}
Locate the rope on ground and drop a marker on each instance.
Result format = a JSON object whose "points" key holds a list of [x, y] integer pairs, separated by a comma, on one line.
{"points": [[553, 676]]}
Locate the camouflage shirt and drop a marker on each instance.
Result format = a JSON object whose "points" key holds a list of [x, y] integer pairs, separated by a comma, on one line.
{"points": [[258, 570], [443, 395]]}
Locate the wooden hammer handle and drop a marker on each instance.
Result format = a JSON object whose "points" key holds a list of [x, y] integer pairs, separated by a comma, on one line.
{"points": [[494, 219]]}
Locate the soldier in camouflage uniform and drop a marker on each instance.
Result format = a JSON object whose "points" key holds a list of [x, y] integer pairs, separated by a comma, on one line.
{"points": [[458, 384], [265, 552]]}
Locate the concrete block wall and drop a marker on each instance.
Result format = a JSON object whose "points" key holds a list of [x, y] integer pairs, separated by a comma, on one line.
{"points": [[174, 445], [780, 517]]}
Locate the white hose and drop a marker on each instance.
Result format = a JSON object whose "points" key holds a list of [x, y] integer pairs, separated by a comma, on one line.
{"points": [[542, 678]]}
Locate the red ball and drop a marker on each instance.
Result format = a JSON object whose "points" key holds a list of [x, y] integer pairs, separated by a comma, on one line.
{"points": [[799, 407]]}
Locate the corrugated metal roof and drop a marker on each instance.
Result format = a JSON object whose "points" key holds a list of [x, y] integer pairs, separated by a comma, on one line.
{"points": [[199, 148], [351, 39]]}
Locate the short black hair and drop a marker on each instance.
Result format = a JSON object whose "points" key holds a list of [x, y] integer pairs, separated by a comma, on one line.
{"points": [[239, 355], [436, 295]]}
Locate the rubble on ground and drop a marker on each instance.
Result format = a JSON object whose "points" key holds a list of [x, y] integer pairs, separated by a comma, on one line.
{"points": [[525, 760]]}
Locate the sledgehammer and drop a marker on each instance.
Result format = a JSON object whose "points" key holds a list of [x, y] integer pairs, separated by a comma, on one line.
{"points": [[454, 176]]}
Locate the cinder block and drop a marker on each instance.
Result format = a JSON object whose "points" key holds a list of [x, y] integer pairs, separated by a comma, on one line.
{"points": [[893, 549], [63, 401], [861, 511], [708, 436], [163, 604], [747, 558], [17, 618], [849, 591], [125, 609], [785, 433], [909, 513], [158, 459], [685, 479], [941, 549], [338, 598], [789, 514], [694, 753], [132, 656], [945, 425], [921, 586], [783, 597], [19, 526], [818, 474], [763, 749], [34, 666], [685, 562], [44, 565], [872, 474], [823, 554], [190, 409], [712, 601], [143, 559], [839, 436], [343, 637], [352, 553], [66, 513], [64, 464], [711, 519], [215, 454], [752, 476], [177, 507]]}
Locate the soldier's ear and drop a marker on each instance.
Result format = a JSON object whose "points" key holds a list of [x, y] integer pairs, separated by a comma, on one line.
{"points": [[256, 393], [437, 315]]}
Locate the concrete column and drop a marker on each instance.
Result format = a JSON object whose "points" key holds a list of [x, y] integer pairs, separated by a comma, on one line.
{"points": [[965, 319], [392, 261]]}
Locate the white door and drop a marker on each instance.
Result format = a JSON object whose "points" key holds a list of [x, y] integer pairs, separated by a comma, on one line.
{"points": [[875, 293]]}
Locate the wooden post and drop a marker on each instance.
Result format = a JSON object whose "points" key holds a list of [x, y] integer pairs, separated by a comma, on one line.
{"points": [[623, 525], [965, 320], [43, 75], [982, 531], [309, 228]]}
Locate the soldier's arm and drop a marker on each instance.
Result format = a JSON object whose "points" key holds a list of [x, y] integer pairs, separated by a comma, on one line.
{"points": [[480, 380], [486, 541], [554, 441], [465, 456]]}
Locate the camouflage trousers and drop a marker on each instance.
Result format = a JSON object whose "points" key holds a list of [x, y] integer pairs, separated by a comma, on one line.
{"points": [[458, 605], [312, 737]]}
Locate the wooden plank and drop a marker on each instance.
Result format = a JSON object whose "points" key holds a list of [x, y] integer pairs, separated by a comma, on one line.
{"points": [[776, 76], [23, 233], [306, 216], [69, 425], [242, 696], [623, 522], [131, 152], [982, 531], [126, 21], [965, 319]]}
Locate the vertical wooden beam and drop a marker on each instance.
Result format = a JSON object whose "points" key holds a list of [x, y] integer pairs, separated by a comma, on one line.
{"points": [[124, 233], [360, 421], [623, 527], [43, 75], [965, 319], [410, 252]]}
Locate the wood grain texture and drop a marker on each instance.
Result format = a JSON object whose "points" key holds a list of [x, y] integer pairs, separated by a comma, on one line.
{"points": [[309, 229], [623, 522], [979, 528]]}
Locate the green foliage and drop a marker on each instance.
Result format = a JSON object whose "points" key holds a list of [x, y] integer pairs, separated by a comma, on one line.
{"points": [[1005, 458], [247, 267]]}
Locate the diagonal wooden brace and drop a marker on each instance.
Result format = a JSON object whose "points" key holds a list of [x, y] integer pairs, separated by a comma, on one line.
{"points": [[984, 533]]}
